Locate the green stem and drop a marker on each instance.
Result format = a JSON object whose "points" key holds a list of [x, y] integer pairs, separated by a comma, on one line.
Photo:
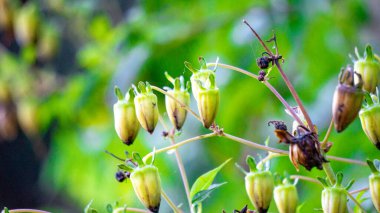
{"points": [[129, 209], [329, 172], [326, 138], [170, 202], [356, 202]]}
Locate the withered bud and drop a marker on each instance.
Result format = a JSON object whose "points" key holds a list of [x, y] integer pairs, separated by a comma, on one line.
{"points": [[263, 62], [304, 146], [348, 98], [261, 76]]}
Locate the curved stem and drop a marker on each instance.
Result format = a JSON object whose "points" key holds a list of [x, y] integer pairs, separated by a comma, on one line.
{"points": [[129, 209], [182, 104], [180, 165], [309, 179], [295, 96], [179, 144], [269, 157], [346, 160], [170, 202], [26, 211], [259, 38], [266, 83], [356, 202]]}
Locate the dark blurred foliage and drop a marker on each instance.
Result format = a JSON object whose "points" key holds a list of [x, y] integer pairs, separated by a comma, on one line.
{"points": [[60, 59]]}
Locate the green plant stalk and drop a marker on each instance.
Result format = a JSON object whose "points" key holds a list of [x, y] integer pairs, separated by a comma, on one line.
{"points": [[355, 201], [129, 209], [329, 172], [180, 166], [170, 202], [326, 138]]}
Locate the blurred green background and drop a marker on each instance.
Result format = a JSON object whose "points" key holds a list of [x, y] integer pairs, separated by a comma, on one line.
{"points": [[60, 59]]}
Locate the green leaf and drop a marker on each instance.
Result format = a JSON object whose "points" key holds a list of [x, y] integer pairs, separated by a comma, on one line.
{"points": [[109, 208], [200, 196], [205, 180], [6, 210]]}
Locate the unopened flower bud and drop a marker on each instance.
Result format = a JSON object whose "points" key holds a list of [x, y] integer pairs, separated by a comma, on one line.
{"points": [[120, 176], [146, 106], [176, 112], [126, 123], [334, 197], [369, 68], [205, 92], [208, 103], [374, 183], [286, 197], [347, 100], [259, 186], [146, 182], [304, 146], [370, 119]]}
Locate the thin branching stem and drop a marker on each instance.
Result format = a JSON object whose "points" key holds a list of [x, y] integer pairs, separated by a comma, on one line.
{"points": [[178, 101], [259, 38], [305, 178], [180, 165], [326, 138], [129, 209], [170, 202], [359, 190], [266, 83], [356, 202]]}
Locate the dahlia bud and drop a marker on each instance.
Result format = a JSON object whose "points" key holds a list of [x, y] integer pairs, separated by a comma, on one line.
{"points": [[205, 92], [369, 68], [334, 197], [286, 197], [146, 106], [374, 183], [304, 146], [348, 98], [259, 186], [126, 123], [146, 182], [370, 118], [176, 112]]}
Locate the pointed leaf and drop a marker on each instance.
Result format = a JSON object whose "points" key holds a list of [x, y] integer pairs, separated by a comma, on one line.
{"points": [[200, 196], [205, 180]]}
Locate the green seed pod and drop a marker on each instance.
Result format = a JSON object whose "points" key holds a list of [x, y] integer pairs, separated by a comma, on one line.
{"points": [[259, 186], [146, 182], [348, 98], [334, 200], [208, 102], [370, 119], [146, 106], [205, 92], [374, 184], [334, 197], [126, 123], [26, 24], [177, 113], [286, 197], [369, 68]]}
